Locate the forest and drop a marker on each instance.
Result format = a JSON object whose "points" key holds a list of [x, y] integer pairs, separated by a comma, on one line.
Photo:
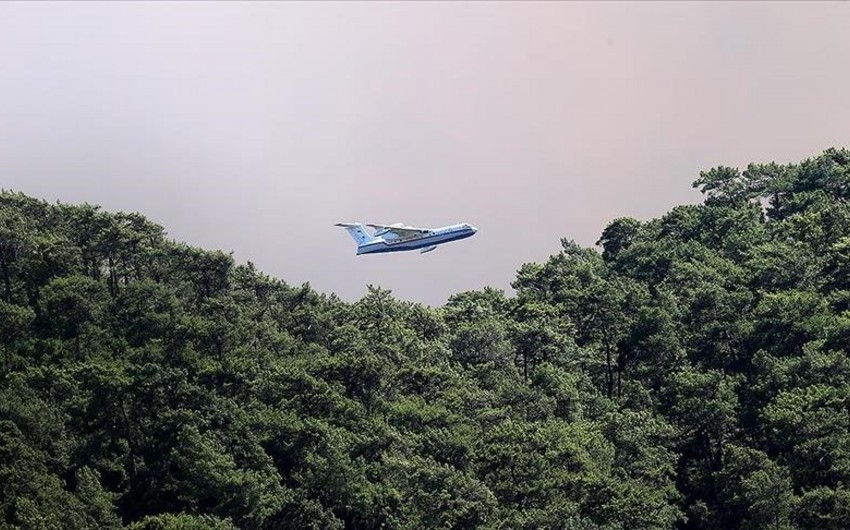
{"points": [[690, 372]]}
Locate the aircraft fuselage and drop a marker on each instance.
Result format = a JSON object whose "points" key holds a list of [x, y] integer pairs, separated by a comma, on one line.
{"points": [[435, 237]]}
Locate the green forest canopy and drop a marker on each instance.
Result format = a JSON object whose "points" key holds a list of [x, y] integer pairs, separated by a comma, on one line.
{"points": [[693, 374]]}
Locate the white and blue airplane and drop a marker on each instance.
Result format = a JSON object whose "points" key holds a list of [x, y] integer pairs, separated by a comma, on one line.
{"points": [[397, 237]]}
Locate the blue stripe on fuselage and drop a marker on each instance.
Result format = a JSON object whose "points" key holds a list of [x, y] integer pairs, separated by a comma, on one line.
{"points": [[440, 237]]}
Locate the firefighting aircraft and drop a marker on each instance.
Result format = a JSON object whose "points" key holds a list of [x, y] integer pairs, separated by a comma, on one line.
{"points": [[397, 237]]}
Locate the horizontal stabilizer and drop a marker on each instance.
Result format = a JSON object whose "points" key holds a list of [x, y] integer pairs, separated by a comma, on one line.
{"points": [[357, 232]]}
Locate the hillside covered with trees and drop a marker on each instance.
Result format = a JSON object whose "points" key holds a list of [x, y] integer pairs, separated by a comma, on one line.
{"points": [[691, 373]]}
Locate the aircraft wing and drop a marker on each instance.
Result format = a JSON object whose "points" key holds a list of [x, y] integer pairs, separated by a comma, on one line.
{"points": [[400, 231]]}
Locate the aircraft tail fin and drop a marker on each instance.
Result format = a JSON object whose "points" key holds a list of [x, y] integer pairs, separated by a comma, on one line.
{"points": [[357, 232]]}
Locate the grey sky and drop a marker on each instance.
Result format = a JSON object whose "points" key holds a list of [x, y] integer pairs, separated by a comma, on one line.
{"points": [[255, 127]]}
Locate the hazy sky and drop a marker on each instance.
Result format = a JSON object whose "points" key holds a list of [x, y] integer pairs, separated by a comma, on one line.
{"points": [[253, 128]]}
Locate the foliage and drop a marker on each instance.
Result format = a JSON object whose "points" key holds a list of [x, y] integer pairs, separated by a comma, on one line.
{"points": [[692, 374]]}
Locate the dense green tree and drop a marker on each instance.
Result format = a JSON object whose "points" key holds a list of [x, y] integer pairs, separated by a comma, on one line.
{"points": [[754, 491], [692, 374], [825, 508]]}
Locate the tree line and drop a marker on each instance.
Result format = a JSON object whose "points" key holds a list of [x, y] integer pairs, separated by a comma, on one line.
{"points": [[692, 372]]}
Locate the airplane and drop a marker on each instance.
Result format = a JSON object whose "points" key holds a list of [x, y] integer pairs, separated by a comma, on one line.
{"points": [[397, 237]]}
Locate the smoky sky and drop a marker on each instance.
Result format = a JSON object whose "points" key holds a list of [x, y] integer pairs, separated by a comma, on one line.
{"points": [[254, 127]]}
